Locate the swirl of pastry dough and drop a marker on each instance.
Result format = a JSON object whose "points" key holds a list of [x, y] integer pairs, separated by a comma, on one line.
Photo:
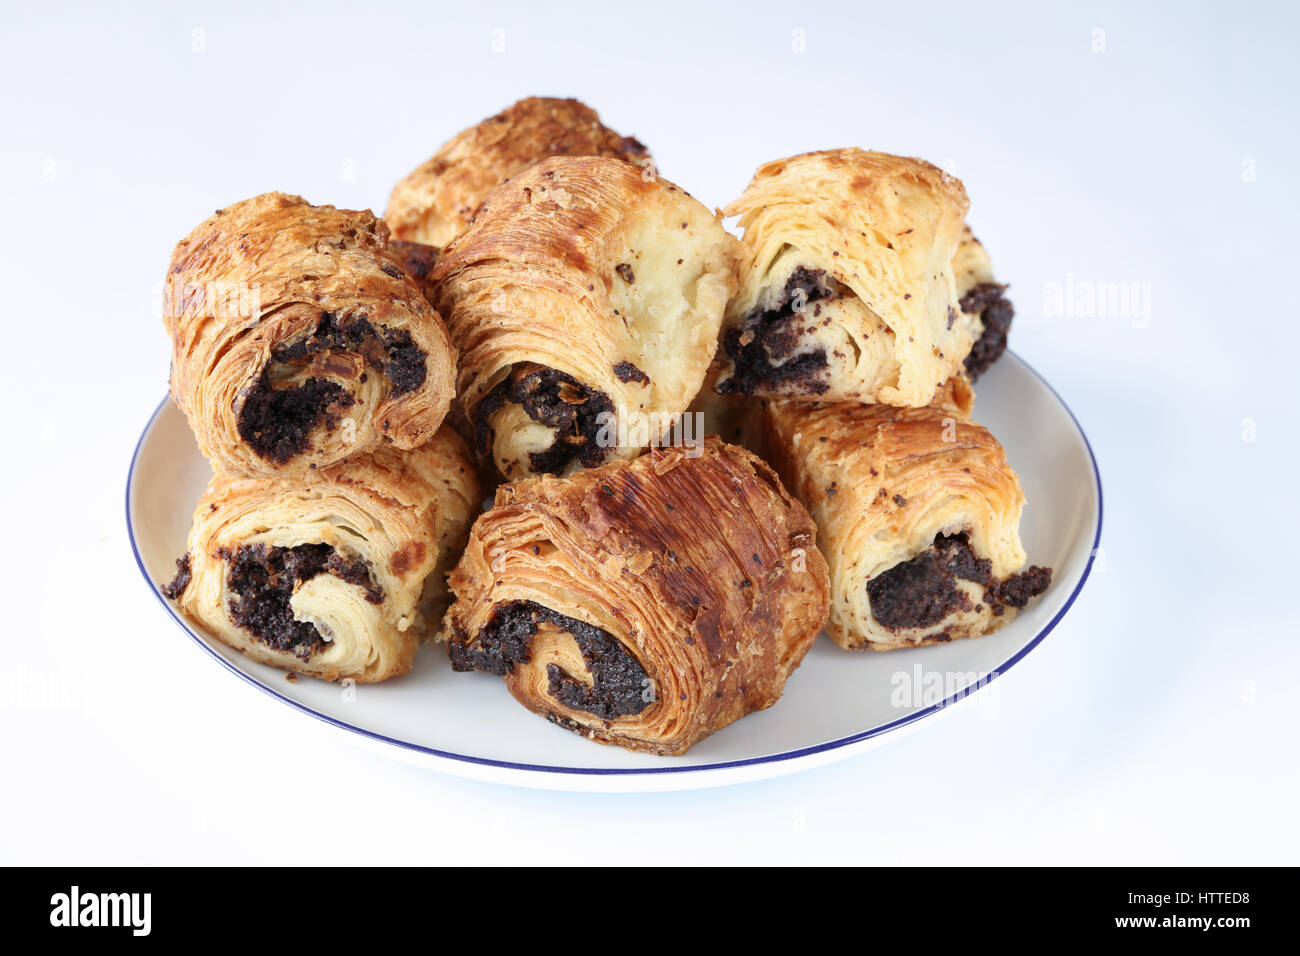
{"points": [[918, 516], [336, 575], [438, 201], [645, 603], [298, 339], [585, 301], [848, 291]]}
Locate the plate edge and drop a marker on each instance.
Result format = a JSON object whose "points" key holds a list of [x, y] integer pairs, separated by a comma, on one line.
{"points": [[784, 757]]}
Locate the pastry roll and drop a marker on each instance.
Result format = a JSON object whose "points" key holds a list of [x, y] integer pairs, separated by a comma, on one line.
{"points": [[437, 202], [984, 305], [298, 339], [646, 603], [918, 517], [848, 292], [338, 574], [585, 301]]}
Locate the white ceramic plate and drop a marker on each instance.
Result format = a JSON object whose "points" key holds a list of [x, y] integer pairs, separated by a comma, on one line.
{"points": [[837, 704]]}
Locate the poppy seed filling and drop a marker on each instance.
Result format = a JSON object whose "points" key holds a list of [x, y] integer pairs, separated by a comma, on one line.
{"points": [[558, 401], [262, 581], [619, 683], [761, 347], [923, 591], [276, 423], [181, 581], [988, 300]]}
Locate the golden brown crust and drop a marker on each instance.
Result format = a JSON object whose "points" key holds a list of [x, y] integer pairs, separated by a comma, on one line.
{"points": [[438, 201], [404, 516], [882, 483], [584, 277], [867, 239], [272, 294], [702, 567]]}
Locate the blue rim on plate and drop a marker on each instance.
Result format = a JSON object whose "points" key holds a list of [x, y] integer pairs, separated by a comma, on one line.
{"points": [[627, 771]]}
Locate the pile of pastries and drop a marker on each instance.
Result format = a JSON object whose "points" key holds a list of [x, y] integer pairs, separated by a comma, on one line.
{"points": [[703, 450]]}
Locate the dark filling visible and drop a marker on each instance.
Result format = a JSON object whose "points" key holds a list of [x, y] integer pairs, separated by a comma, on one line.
{"points": [[923, 591], [988, 301], [276, 423], [1018, 589], [182, 579], [389, 351], [560, 402], [263, 580], [768, 336], [418, 260], [618, 680], [627, 372]]}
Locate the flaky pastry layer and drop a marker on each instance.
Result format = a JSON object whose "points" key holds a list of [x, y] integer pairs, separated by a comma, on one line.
{"points": [[335, 575], [438, 201], [585, 301], [644, 603], [298, 339], [918, 517], [847, 293]]}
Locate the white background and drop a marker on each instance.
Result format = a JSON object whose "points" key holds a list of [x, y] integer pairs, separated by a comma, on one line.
{"points": [[1156, 724]]}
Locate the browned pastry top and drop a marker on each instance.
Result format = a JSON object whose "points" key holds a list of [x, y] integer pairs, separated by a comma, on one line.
{"points": [[293, 251], [887, 485], [287, 318], [665, 530], [438, 200], [608, 284], [695, 560]]}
